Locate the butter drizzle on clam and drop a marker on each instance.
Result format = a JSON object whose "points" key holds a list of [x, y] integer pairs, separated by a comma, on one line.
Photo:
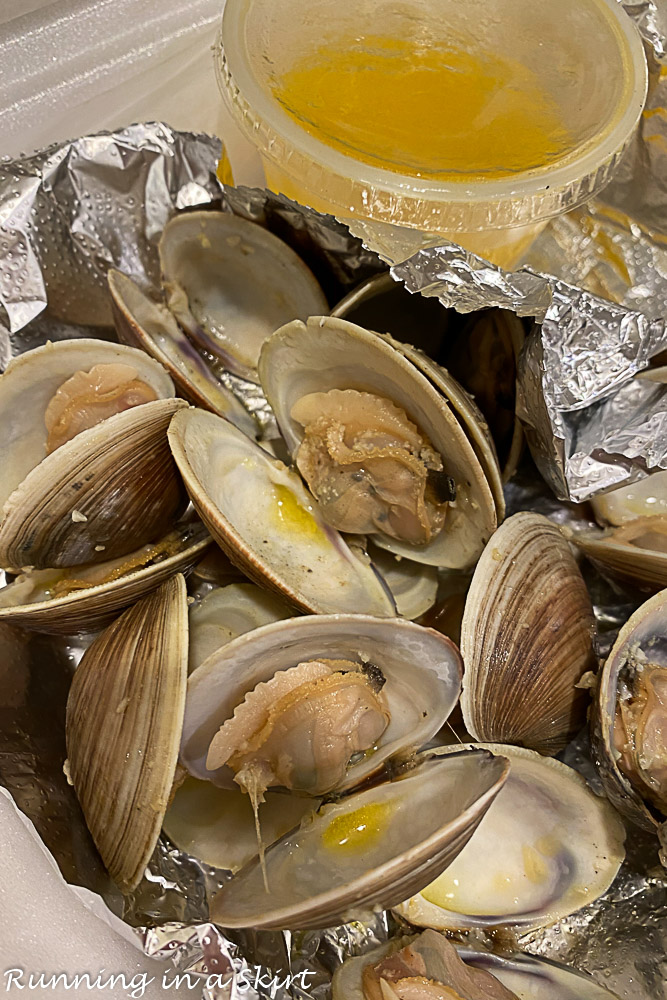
{"points": [[87, 473], [377, 442]]}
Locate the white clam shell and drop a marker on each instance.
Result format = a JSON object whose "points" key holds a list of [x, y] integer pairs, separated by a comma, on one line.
{"points": [[421, 667], [328, 353], [230, 283], [416, 825], [547, 847], [239, 490]]}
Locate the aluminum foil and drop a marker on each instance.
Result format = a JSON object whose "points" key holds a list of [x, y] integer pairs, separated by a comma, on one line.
{"points": [[68, 214]]}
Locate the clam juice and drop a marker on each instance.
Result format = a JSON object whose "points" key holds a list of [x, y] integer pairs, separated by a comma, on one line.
{"points": [[441, 111]]}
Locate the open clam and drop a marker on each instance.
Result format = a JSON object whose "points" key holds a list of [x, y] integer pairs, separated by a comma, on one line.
{"points": [[526, 639], [85, 598], [87, 472], [633, 545], [296, 701], [265, 520], [377, 443], [370, 849], [230, 283], [547, 847], [124, 717], [429, 967], [143, 322], [630, 720]]}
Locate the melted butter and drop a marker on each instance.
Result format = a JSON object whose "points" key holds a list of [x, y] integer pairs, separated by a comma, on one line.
{"points": [[425, 108], [534, 867], [357, 831], [293, 517]]}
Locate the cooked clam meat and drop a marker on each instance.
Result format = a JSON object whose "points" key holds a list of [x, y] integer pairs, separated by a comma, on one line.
{"points": [[640, 728], [88, 397], [301, 728], [370, 467], [429, 968]]}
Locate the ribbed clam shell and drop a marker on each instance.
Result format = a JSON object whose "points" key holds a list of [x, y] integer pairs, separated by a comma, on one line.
{"points": [[233, 484], [90, 609], [547, 847], [124, 717], [327, 354], [103, 494], [149, 325], [412, 828], [526, 639], [646, 630], [625, 552], [230, 283], [422, 671], [529, 977]]}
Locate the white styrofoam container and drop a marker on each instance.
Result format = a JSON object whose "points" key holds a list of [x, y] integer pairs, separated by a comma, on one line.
{"points": [[70, 67]]}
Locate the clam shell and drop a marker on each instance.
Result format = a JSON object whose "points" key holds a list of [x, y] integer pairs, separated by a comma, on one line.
{"points": [[547, 847], [233, 483], [526, 639], [414, 586], [149, 325], [230, 283], [407, 831], [124, 717], [646, 629], [89, 609], [114, 485], [529, 977], [228, 612], [422, 669], [631, 552], [329, 354]]}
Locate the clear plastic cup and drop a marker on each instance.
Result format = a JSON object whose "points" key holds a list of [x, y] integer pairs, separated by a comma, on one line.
{"points": [[586, 54]]}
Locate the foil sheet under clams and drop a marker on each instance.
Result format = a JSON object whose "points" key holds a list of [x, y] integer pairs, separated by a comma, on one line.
{"points": [[55, 248]]}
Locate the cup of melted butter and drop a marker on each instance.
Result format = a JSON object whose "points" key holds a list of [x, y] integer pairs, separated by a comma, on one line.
{"points": [[415, 121]]}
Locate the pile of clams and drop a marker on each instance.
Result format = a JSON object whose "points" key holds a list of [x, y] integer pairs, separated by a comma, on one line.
{"points": [[284, 715]]}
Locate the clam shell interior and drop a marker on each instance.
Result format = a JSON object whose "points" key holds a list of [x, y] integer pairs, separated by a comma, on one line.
{"points": [[421, 668], [546, 847], [260, 513], [366, 850]]}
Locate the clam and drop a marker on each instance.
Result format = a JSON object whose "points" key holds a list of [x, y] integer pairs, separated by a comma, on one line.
{"points": [[630, 720], [124, 718], [318, 703], [145, 323], [85, 598], [633, 545], [228, 612], [478, 350], [264, 519], [547, 847], [368, 850], [87, 472], [526, 639], [441, 970], [377, 442]]}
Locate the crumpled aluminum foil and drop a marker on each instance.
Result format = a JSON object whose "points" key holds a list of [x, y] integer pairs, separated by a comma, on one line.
{"points": [[69, 213]]}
